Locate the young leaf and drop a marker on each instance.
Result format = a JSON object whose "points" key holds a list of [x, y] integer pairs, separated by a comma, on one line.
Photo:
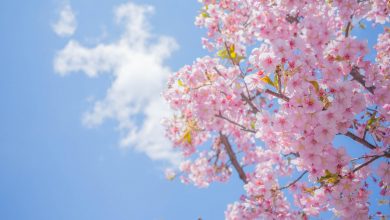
{"points": [[187, 136], [223, 54], [315, 85], [266, 79], [180, 83], [276, 81], [253, 123]]}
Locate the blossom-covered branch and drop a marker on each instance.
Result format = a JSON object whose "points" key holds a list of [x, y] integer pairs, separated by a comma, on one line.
{"points": [[359, 78], [232, 157], [235, 123], [285, 79]]}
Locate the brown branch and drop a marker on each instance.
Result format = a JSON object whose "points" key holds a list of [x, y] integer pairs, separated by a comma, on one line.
{"points": [[363, 157], [343, 176], [250, 103], [235, 123], [367, 162], [348, 134], [218, 72], [359, 78], [360, 140], [245, 98], [364, 142], [295, 154], [293, 182], [347, 29], [293, 18], [277, 95], [233, 158]]}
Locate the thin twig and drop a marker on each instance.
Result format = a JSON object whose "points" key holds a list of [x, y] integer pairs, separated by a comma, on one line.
{"points": [[367, 162], [359, 78], [235, 123], [364, 142], [363, 157], [348, 134], [277, 95], [360, 140], [293, 182], [247, 100], [295, 154]]}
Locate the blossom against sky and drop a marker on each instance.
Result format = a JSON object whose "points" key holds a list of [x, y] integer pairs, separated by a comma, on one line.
{"points": [[61, 137]]}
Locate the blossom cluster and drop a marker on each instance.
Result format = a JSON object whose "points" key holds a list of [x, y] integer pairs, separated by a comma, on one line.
{"points": [[288, 76]]}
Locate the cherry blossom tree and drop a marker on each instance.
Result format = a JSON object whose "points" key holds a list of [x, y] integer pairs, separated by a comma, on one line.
{"points": [[285, 79]]}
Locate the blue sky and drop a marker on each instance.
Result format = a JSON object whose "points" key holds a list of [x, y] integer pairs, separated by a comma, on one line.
{"points": [[60, 158]]}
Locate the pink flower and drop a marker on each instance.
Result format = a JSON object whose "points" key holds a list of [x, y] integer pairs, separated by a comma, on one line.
{"points": [[384, 172], [312, 105], [291, 125], [324, 133], [254, 82]]}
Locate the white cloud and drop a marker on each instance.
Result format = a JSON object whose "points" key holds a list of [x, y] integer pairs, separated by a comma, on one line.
{"points": [[139, 72], [66, 24]]}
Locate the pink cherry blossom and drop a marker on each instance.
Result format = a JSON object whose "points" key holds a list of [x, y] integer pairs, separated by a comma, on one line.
{"points": [[286, 79], [384, 172]]}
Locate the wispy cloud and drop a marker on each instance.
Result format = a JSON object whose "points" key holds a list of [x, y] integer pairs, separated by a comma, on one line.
{"points": [[66, 24], [139, 72]]}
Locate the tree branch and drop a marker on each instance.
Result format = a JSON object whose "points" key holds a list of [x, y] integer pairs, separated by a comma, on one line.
{"points": [[363, 142], [367, 162], [293, 182], [293, 18], [232, 157], [277, 95], [235, 123], [360, 140], [359, 78], [253, 107], [348, 28], [348, 134]]}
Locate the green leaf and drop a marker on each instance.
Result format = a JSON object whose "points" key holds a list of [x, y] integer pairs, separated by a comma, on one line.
{"points": [[266, 79], [329, 178], [253, 124], [180, 83], [223, 54], [231, 54], [372, 122], [205, 14], [315, 85], [372, 119], [187, 136], [276, 81]]}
